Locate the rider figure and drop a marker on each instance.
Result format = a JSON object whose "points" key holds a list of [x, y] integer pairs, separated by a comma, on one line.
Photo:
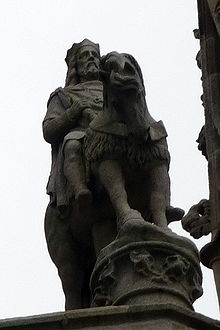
{"points": [[70, 109]]}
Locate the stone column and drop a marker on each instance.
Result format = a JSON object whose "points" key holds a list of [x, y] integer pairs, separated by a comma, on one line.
{"points": [[209, 27]]}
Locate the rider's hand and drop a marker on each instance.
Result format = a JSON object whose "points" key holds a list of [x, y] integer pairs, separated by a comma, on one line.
{"points": [[79, 105], [76, 109]]}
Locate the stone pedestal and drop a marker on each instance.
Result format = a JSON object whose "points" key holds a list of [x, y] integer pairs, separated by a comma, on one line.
{"points": [[141, 317], [146, 265]]}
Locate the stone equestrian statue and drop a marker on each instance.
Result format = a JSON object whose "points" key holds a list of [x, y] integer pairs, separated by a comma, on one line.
{"points": [[110, 163]]}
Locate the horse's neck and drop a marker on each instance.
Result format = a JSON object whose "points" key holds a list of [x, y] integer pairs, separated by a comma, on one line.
{"points": [[140, 113], [128, 108], [113, 108]]}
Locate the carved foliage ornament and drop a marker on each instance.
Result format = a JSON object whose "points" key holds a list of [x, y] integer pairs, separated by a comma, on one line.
{"points": [[172, 271]]}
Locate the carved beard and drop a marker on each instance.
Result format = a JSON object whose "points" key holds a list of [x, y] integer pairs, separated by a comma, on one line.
{"points": [[89, 72]]}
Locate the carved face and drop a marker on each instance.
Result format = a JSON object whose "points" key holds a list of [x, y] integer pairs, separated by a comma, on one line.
{"points": [[88, 61], [122, 72]]}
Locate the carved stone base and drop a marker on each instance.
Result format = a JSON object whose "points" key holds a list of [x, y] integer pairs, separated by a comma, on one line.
{"points": [[146, 265]]}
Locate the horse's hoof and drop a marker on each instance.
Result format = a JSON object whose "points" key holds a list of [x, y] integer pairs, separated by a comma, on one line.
{"points": [[130, 216]]}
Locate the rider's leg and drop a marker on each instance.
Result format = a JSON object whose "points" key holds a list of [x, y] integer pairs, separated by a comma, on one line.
{"points": [[74, 169], [158, 197], [111, 177]]}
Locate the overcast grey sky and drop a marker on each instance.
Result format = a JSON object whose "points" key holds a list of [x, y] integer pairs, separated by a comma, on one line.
{"points": [[35, 35]]}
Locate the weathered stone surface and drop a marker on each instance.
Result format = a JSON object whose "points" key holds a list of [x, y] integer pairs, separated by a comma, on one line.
{"points": [[110, 163], [146, 265], [204, 217], [210, 134], [67, 227], [210, 49], [154, 317], [197, 221]]}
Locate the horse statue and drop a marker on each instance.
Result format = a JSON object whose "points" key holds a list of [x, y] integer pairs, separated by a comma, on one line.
{"points": [[127, 162], [126, 148]]}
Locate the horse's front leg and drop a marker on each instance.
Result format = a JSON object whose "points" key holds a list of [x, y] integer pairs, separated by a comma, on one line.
{"points": [[111, 176], [159, 199]]}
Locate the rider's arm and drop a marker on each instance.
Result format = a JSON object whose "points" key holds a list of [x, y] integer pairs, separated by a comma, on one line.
{"points": [[58, 121]]}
